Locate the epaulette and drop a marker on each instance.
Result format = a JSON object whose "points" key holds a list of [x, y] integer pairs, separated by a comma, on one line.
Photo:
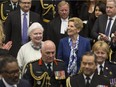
{"points": [[112, 62], [33, 61], [3, 2], [59, 60]]}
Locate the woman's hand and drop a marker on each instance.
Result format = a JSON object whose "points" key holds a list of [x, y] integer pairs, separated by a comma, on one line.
{"points": [[7, 46]]}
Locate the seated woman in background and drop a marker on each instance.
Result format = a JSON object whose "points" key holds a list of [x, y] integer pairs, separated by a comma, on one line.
{"points": [[3, 46], [100, 8], [72, 48]]}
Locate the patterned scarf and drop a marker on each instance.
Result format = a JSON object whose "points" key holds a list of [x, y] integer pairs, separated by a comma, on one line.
{"points": [[72, 66]]}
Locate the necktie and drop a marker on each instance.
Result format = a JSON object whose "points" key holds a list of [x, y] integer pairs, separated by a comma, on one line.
{"points": [[107, 32], [24, 33], [15, 6], [49, 68], [101, 69], [87, 83]]}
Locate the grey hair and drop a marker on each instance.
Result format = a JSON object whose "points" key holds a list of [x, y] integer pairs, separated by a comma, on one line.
{"points": [[34, 26]]}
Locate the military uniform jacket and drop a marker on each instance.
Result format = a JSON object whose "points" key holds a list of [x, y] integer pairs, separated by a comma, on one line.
{"points": [[5, 9], [37, 74], [79, 81], [109, 70]]}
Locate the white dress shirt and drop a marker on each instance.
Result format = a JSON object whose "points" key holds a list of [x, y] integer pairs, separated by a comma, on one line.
{"points": [[64, 25]]}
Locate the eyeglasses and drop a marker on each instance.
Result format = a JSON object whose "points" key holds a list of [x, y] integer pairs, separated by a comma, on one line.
{"points": [[26, 2], [12, 72]]}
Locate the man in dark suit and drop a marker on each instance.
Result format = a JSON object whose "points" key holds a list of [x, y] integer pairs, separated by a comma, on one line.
{"points": [[105, 24], [88, 76], [47, 71], [9, 71], [14, 25], [58, 26], [6, 7]]}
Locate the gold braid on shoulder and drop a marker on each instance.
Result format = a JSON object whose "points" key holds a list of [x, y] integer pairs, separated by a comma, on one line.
{"points": [[68, 82], [2, 15], [110, 57], [110, 53], [45, 77], [48, 8]]}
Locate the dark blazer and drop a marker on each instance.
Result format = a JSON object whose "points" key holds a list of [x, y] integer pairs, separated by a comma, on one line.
{"points": [[64, 49], [22, 83], [79, 81], [13, 29], [39, 68], [100, 26], [53, 31], [109, 70]]}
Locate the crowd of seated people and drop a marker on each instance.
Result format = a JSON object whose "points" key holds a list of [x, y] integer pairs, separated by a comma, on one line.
{"points": [[64, 44]]}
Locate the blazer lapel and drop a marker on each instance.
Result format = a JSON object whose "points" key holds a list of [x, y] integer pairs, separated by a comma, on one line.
{"points": [[30, 18], [94, 81], [81, 81], [104, 23], [113, 27], [19, 22], [58, 25]]}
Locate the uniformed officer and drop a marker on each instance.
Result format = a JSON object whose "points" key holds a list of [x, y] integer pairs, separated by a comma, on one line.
{"points": [[6, 7], [48, 9], [47, 71], [104, 67]]}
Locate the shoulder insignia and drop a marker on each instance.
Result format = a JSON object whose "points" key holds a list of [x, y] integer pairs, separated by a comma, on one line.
{"points": [[33, 61], [58, 60]]}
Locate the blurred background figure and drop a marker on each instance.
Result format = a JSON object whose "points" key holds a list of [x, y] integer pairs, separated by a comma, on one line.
{"points": [[105, 24], [104, 67], [86, 10], [31, 50], [10, 73], [6, 7], [100, 8], [58, 26], [72, 47], [47, 10]]}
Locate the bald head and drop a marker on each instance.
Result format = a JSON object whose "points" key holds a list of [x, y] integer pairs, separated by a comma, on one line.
{"points": [[48, 51], [48, 44]]}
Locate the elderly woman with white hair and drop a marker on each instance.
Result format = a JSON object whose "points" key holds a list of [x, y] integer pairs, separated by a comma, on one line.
{"points": [[31, 50]]}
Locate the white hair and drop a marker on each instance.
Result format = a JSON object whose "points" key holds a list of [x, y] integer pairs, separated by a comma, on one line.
{"points": [[34, 26]]}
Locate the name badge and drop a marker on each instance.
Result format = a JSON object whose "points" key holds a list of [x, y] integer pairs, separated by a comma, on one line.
{"points": [[60, 75]]}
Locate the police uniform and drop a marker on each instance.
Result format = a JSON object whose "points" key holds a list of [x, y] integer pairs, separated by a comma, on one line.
{"points": [[5, 9], [37, 74], [110, 71]]}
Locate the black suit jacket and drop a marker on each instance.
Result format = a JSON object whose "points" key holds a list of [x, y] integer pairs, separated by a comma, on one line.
{"points": [[13, 29], [53, 31], [79, 81], [100, 26], [22, 83]]}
